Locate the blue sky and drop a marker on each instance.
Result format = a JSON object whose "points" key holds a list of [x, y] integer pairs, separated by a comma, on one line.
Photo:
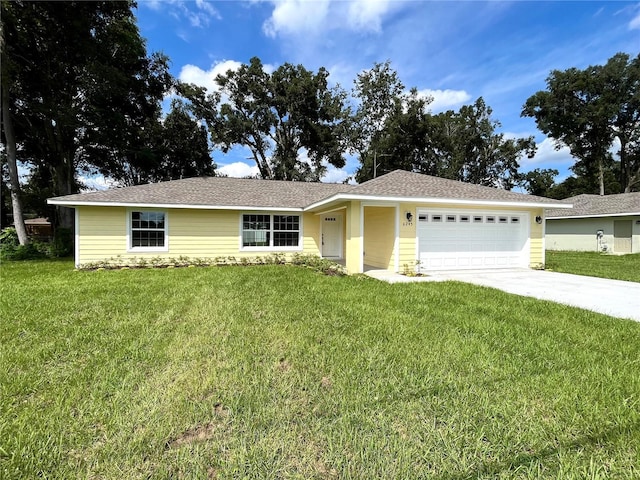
{"points": [[455, 51]]}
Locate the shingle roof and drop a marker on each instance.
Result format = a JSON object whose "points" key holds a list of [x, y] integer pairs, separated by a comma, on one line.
{"points": [[400, 183], [240, 192], [599, 205], [215, 191]]}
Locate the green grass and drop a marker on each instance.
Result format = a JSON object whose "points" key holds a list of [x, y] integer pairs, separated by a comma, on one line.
{"points": [[594, 264], [280, 372]]}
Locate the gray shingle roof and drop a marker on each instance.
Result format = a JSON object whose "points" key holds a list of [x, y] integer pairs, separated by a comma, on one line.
{"points": [[218, 191], [400, 183], [596, 205], [241, 192]]}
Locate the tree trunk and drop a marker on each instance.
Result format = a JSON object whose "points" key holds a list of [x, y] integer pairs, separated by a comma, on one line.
{"points": [[601, 176], [14, 181]]}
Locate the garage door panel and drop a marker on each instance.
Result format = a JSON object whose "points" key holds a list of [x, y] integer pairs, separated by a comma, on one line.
{"points": [[473, 240]]}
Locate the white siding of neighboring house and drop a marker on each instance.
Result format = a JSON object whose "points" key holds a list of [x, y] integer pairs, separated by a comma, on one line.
{"points": [[579, 234]]}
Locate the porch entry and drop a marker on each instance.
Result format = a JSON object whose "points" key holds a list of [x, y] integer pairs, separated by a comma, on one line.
{"points": [[332, 236]]}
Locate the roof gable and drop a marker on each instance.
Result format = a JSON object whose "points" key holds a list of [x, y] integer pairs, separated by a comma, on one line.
{"points": [[400, 183]]}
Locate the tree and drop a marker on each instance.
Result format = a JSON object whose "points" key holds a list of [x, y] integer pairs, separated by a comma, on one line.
{"points": [[9, 140], [279, 116], [587, 110], [403, 142], [539, 181], [461, 145], [472, 151], [185, 147], [380, 95], [81, 87]]}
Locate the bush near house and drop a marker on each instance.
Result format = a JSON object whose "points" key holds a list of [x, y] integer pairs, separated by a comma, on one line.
{"points": [[278, 372]]}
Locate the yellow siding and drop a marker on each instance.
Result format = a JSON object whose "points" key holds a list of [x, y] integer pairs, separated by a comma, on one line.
{"points": [[536, 239], [192, 233], [353, 251], [379, 237]]}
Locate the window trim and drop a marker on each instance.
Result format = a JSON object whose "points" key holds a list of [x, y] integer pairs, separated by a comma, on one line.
{"points": [[133, 249], [271, 230]]}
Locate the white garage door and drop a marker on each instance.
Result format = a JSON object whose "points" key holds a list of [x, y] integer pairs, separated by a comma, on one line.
{"points": [[463, 239]]}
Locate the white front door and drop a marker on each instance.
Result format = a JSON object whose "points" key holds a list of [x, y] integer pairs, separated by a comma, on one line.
{"points": [[332, 236]]}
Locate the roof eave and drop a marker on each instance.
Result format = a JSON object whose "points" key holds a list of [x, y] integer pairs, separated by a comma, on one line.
{"points": [[596, 215], [73, 204], [454, 201]]}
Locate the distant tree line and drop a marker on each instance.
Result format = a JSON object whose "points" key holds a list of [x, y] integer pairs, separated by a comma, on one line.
{"points": [[81, 95]]}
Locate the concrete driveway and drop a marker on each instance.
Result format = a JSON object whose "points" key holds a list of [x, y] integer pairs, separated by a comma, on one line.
{"points": [[612, 297]]}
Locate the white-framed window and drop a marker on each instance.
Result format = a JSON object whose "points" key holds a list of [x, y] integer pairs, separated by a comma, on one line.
{"points": [[265, 231], [147, 230]]}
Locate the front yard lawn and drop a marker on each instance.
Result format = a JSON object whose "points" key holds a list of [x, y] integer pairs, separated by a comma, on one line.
{"points": [[280, 372], [594, 264]]}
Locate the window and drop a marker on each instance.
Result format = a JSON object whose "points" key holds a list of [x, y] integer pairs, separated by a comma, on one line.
{"points": [[515, 219], [148, 230], [491, 219], [422, 218], [451, 218], [270, 231], [464, 218], [503, 220], [436, 218], [477, 219]]}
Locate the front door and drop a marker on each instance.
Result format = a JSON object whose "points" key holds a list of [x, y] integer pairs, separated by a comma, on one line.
{"points": [[332, 236], [622, 236]]}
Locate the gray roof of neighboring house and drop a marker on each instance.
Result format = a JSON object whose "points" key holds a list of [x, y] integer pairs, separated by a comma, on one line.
{"points": [[239, 192], [599, 205]]}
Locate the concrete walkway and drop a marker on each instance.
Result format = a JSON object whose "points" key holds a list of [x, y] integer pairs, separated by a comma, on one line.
{"points": [[612, 297]]}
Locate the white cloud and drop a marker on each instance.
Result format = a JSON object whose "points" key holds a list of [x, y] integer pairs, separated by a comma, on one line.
{"points": [[334, 175], [548, 156], [96, 182], [239, 170], [198, 17], [634, 24], [291, 17], [444, 99], [367, 14], [206, 78], [296, 16]]}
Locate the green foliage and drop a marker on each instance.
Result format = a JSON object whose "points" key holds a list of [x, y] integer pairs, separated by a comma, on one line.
{"points": [[10, 248], [277, 372], [314, 262], [587, 110], [276, 116], [595, 264], [539, 181], [94, 90]]}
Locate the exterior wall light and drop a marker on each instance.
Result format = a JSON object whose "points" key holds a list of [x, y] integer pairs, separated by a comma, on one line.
{"points": [[409, 216], [538, 219]]}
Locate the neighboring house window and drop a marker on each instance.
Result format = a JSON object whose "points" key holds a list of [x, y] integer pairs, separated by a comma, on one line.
{"points": [[148, 230], [270, 231]]}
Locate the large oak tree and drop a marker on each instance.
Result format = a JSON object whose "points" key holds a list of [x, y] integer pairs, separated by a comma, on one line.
{"points": [[80, 87], [290, 120], [588, 110]]}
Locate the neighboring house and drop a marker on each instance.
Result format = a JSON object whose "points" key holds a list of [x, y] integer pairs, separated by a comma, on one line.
{"points": [[608, 223], [38, 227], [390, 222]]}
